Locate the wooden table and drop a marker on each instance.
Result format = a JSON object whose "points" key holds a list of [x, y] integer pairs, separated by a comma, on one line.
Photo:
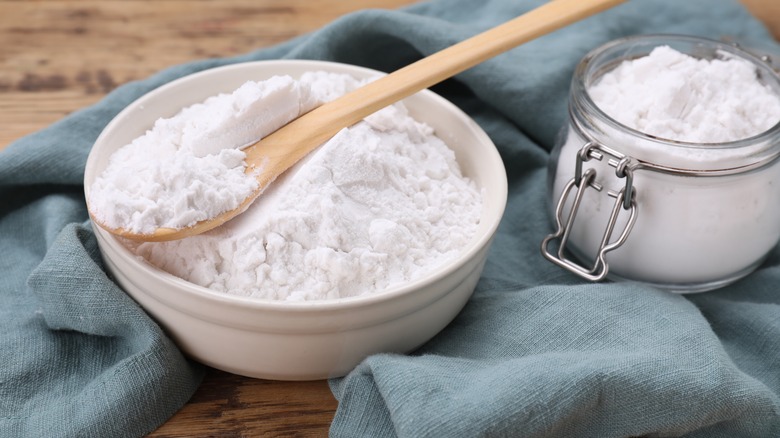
{"points": [[57, 56]]}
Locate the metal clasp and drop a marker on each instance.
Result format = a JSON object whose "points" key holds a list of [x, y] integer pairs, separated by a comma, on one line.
{"points": [[625, 200]]}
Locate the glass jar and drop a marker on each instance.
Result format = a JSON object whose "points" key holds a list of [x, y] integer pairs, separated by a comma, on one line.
{"points": [[685, 217]]}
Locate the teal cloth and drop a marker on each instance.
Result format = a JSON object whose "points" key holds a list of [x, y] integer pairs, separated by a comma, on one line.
{"points": [[536, 352]]}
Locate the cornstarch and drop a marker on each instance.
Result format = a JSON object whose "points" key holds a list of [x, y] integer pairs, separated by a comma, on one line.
{"points": [[382, 203], [189, 167], [692, 233], [674, 96]]}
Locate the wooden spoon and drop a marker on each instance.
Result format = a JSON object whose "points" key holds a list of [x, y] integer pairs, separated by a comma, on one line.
{"points": [[277, 152]]}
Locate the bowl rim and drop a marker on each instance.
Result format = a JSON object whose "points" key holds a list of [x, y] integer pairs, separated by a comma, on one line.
{"points": [[477, 243]]}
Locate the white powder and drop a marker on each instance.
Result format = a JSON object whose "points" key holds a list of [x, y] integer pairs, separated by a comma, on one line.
{"points": [[691, 233], [188, 168], [675, 96], [382, 203]]}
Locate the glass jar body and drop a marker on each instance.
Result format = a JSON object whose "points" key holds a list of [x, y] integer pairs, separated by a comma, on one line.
{"points": [[705, 215]]}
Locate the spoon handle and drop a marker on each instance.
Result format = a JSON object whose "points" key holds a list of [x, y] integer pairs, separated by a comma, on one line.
{"points": [[304, 134], [277, 152]]}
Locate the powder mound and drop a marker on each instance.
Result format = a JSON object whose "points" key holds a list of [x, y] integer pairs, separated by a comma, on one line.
{"points": [[380, 204], [189, 167], [674, 96]]}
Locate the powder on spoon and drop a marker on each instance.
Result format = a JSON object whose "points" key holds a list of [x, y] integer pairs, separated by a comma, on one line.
{"points": [[189, 167], [380, 204]]}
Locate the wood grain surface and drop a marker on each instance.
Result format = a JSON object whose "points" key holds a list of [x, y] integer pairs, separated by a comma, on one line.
{"points": [[57, 56], [60, 55]]}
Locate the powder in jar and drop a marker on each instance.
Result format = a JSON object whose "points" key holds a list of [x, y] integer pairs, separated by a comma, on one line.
{"points": [[675, 96], [692, 232], [380, 204]]}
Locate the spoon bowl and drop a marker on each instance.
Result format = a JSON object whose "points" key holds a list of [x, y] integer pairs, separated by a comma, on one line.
{"points": [[302, 340]]}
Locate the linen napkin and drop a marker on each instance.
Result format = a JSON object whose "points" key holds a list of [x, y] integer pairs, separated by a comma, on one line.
{"points": [[535, 352]]}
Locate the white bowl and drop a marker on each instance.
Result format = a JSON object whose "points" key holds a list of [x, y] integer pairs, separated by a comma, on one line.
{"points": [[301, 340]]}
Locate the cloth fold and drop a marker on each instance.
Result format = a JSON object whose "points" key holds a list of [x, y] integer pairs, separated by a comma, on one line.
{"points": [[535, 352]]}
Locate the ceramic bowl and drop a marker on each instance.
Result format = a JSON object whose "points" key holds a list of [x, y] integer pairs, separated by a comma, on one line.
{"points": [[301, 340]]}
